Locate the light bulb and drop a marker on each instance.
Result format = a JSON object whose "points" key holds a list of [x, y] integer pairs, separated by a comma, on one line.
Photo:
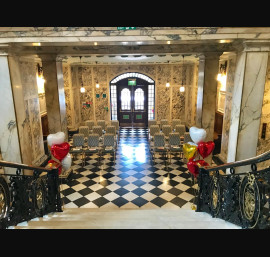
{"points": [[182, 89], [97, 85], [82, 89], [40, 84], [167, 84]]}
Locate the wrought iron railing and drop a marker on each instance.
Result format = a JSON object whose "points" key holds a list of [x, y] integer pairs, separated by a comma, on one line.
{"points": [[24, 197], [241, 198]]}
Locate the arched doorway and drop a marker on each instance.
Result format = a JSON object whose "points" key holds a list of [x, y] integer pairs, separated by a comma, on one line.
{"points": [[132, 99]]}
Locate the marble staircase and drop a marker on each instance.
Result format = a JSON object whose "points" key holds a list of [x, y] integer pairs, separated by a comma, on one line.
{"points": [[90, 218]]}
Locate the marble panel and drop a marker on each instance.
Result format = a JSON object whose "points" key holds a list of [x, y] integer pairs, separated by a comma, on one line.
{"points": [[100, 75], [209, 95], [66, 76], [87, 113], [68, 107], [178, 104], [27, 107], [252, 98], [163, 74], [74, 76], [115, 70], [36, 130], [100, 104], [162, 100], [9, 138], [264, 143], [235, 106], [148, 70], [76, 105], [61, 97], [227, 109]]}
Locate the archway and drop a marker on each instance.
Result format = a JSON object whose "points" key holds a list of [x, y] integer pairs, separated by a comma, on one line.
{"points": [[132, 99]]}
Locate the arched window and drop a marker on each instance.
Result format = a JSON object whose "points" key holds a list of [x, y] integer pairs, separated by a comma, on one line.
{"points": [[139, 99], [125, 99]]}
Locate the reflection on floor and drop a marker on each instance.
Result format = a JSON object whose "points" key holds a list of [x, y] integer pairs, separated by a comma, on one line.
{"points": [[133, 182]]}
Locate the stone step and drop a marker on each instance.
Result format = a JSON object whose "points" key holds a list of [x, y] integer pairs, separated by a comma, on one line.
{"points": [[83, 218]]}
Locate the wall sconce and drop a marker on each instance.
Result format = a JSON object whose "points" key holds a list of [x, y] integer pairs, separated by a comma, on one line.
{"points": [[222, 76], [40, 81], [182, 88], [82, 89], [97, 85]]}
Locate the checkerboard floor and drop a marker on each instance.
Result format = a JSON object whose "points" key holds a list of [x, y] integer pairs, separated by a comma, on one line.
{"points": [[133, 182]]}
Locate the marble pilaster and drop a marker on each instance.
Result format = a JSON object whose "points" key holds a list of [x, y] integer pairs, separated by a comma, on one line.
{"points": [[9, 138], [228, 104], [264, 142], [55, 95], [26, 100], [207, 92], [247, 98]]}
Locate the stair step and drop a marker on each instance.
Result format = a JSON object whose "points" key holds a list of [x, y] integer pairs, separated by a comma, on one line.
{"points": [[83, 218]]}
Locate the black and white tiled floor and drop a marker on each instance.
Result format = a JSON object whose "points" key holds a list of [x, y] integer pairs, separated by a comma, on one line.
{"points": [[133, 182]]}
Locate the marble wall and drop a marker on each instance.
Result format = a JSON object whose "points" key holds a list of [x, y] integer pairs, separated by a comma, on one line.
{"points": [[26, 101], [264, 143], [88, 75], [227, 110], [246, 111], [9, 135]]}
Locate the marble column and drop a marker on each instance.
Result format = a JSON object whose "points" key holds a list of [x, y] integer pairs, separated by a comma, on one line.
{"points": [[247, 98], [231, 59], [54, 92], [26, 101], [9, 138], [207, 93]]}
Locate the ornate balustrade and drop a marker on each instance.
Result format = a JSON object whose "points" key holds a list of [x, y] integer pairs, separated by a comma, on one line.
{"points": [[24, 197], [240, 198]]}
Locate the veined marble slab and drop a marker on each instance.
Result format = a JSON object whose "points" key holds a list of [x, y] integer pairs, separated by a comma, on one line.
{"points": [[88, 34], [9, 141]]}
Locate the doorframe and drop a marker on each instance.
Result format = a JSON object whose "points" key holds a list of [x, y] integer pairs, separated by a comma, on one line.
{"points": [[126, 75]]}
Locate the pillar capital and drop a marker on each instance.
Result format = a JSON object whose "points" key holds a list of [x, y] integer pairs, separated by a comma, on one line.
{"points": [[3, 49], [256, 46], [48, 57], [209, 55]]}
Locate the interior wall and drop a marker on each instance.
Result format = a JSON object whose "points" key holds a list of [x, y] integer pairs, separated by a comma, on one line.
{"points": [[28, 115], [170, 103], [264, 143]]}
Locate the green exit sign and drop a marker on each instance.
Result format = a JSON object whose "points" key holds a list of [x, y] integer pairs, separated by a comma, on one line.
{"points": [[125, 28]]}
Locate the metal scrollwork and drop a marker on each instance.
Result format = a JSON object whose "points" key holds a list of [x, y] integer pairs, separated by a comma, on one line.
{"points": [[249, 201], [4, 198], [215, 196], [25, 197]]}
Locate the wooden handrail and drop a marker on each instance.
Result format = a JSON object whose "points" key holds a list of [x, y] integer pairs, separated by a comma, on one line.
{"points": [[24, 166], [260, 158]]}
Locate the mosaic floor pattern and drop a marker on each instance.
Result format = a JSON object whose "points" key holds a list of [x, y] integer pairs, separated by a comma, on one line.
{"points": [[133, 182]]}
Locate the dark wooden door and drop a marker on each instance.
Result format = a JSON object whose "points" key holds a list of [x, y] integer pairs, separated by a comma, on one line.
{"points": [[132, 103]]}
